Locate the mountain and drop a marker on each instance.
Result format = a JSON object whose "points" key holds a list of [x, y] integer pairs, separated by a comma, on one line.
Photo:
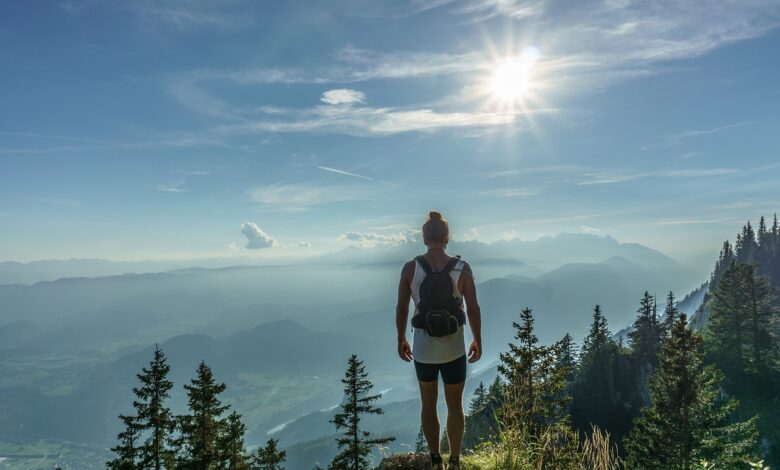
{"points": [[253, 363]]}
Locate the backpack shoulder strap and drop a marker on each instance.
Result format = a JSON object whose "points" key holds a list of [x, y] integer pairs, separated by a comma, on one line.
{"points": [[451, 264], [424, 263]]}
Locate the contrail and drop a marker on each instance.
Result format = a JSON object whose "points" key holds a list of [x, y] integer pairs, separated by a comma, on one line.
{"points": [[354, 175]]}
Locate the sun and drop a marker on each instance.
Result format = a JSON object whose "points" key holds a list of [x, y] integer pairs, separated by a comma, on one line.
{"points": [[511, 79]]}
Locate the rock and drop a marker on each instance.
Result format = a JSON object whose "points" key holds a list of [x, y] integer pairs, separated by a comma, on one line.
{"points": [[405, 462]]}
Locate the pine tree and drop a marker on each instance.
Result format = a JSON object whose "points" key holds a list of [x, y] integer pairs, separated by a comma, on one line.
{"points": [[566, 357], [153, 414], [202, 428], [231, 444], [534, 395], [670, 314], [739, 325], [127, 451], [420, 446], [688, 419], [354, 443], [604, 389], [444, 442], [479, 400], [645, 338], [270, 457]]}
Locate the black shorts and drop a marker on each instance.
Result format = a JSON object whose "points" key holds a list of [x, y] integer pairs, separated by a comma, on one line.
{"points": [[453, 372]]}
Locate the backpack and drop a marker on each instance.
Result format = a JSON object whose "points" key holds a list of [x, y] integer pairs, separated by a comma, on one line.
{"points": [[440, 312]]}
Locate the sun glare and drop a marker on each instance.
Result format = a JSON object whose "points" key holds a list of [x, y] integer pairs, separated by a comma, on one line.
{"points": [[511, 78]]}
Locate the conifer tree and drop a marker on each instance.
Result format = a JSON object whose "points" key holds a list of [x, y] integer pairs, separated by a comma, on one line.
{"points": [[126, 451], [688, 420], [270, 457], [604, 390], [420, 445], [479, 400], [202, 428], [670, 314], [154, 416], [354, 443], [738, 329], [533, 397], [444, 442], [566, 357], [231, 444], [645, 338]]}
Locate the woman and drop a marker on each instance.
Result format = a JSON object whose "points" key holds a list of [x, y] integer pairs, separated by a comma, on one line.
{"points": [[435, 352]]}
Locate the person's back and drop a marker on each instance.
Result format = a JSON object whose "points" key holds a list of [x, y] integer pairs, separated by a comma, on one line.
{"points": [[439, 340]]}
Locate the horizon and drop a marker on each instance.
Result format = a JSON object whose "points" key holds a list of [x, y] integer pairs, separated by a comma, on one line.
{"points": [[208, 130]]}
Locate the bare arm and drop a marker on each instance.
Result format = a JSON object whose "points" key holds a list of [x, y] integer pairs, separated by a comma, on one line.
{"points": [[402, 311], [469, 292]]}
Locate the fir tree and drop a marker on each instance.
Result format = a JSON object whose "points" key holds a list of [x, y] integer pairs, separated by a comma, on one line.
{"points": [[670, 313], [231, 444], [645, 338], [688, 419], [126, 451], [604, 389], [270, 457], [420, 446], [479, 400], [738, 329], [444, 442], [153, 414], [566, 357], [202, 428], [533, 397], [354, 443]]}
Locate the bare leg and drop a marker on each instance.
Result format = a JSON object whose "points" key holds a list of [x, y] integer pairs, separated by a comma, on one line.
{"points": [[456, 420], [429, 393]]}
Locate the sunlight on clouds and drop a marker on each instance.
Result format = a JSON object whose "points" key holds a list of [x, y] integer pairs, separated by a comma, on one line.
{"points": [[343, 96], [256, 238]]}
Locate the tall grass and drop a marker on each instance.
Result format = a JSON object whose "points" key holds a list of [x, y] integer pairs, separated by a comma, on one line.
{"points": [[557, 448]]}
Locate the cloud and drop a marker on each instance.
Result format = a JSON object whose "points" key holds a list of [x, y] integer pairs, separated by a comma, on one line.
{"points": [[301, 196], [509, 236], [171, 188], [256, 238], [676, 139], [369, 239], [611, 177], [590, 230], [510, 193], [343, 96], [367, 121]]}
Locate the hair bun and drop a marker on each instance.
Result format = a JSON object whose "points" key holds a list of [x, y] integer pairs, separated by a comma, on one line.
{"points": [[434, 215]]}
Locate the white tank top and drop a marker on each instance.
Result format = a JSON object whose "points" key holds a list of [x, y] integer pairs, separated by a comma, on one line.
{"points": [[426, 348]]}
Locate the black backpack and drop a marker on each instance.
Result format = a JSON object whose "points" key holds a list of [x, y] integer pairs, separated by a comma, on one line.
{"points": [[440, 312]]}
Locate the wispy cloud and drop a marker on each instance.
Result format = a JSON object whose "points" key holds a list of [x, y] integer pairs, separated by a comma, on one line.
{"points": [[611, 177], [343, 96], [171, 188], [58, 201], [354, 175], [297, 197], [375, 239], [510, 193], [677, 138]]}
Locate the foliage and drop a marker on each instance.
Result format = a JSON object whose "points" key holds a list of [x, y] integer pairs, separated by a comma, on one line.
{"points": [[688, 420], [354, 443], [269, 457]]}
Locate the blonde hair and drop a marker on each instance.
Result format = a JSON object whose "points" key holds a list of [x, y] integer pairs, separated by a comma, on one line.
{"points": [[436, 229]]}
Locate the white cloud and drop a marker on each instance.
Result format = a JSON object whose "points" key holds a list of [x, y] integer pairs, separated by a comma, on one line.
{"points": [[509, 236], [590, 230], [343, 96], [301, 196], [375, 239], [256, 238], [471, 235]]}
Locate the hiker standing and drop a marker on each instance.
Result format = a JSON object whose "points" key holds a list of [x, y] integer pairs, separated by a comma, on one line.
{"points": [[440, 286]]}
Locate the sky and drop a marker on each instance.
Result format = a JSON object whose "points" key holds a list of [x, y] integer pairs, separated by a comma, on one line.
{"points": [[184, 129]]}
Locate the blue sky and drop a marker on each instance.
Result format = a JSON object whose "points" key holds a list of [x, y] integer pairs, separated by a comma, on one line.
{"points": [[172, 129]]}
